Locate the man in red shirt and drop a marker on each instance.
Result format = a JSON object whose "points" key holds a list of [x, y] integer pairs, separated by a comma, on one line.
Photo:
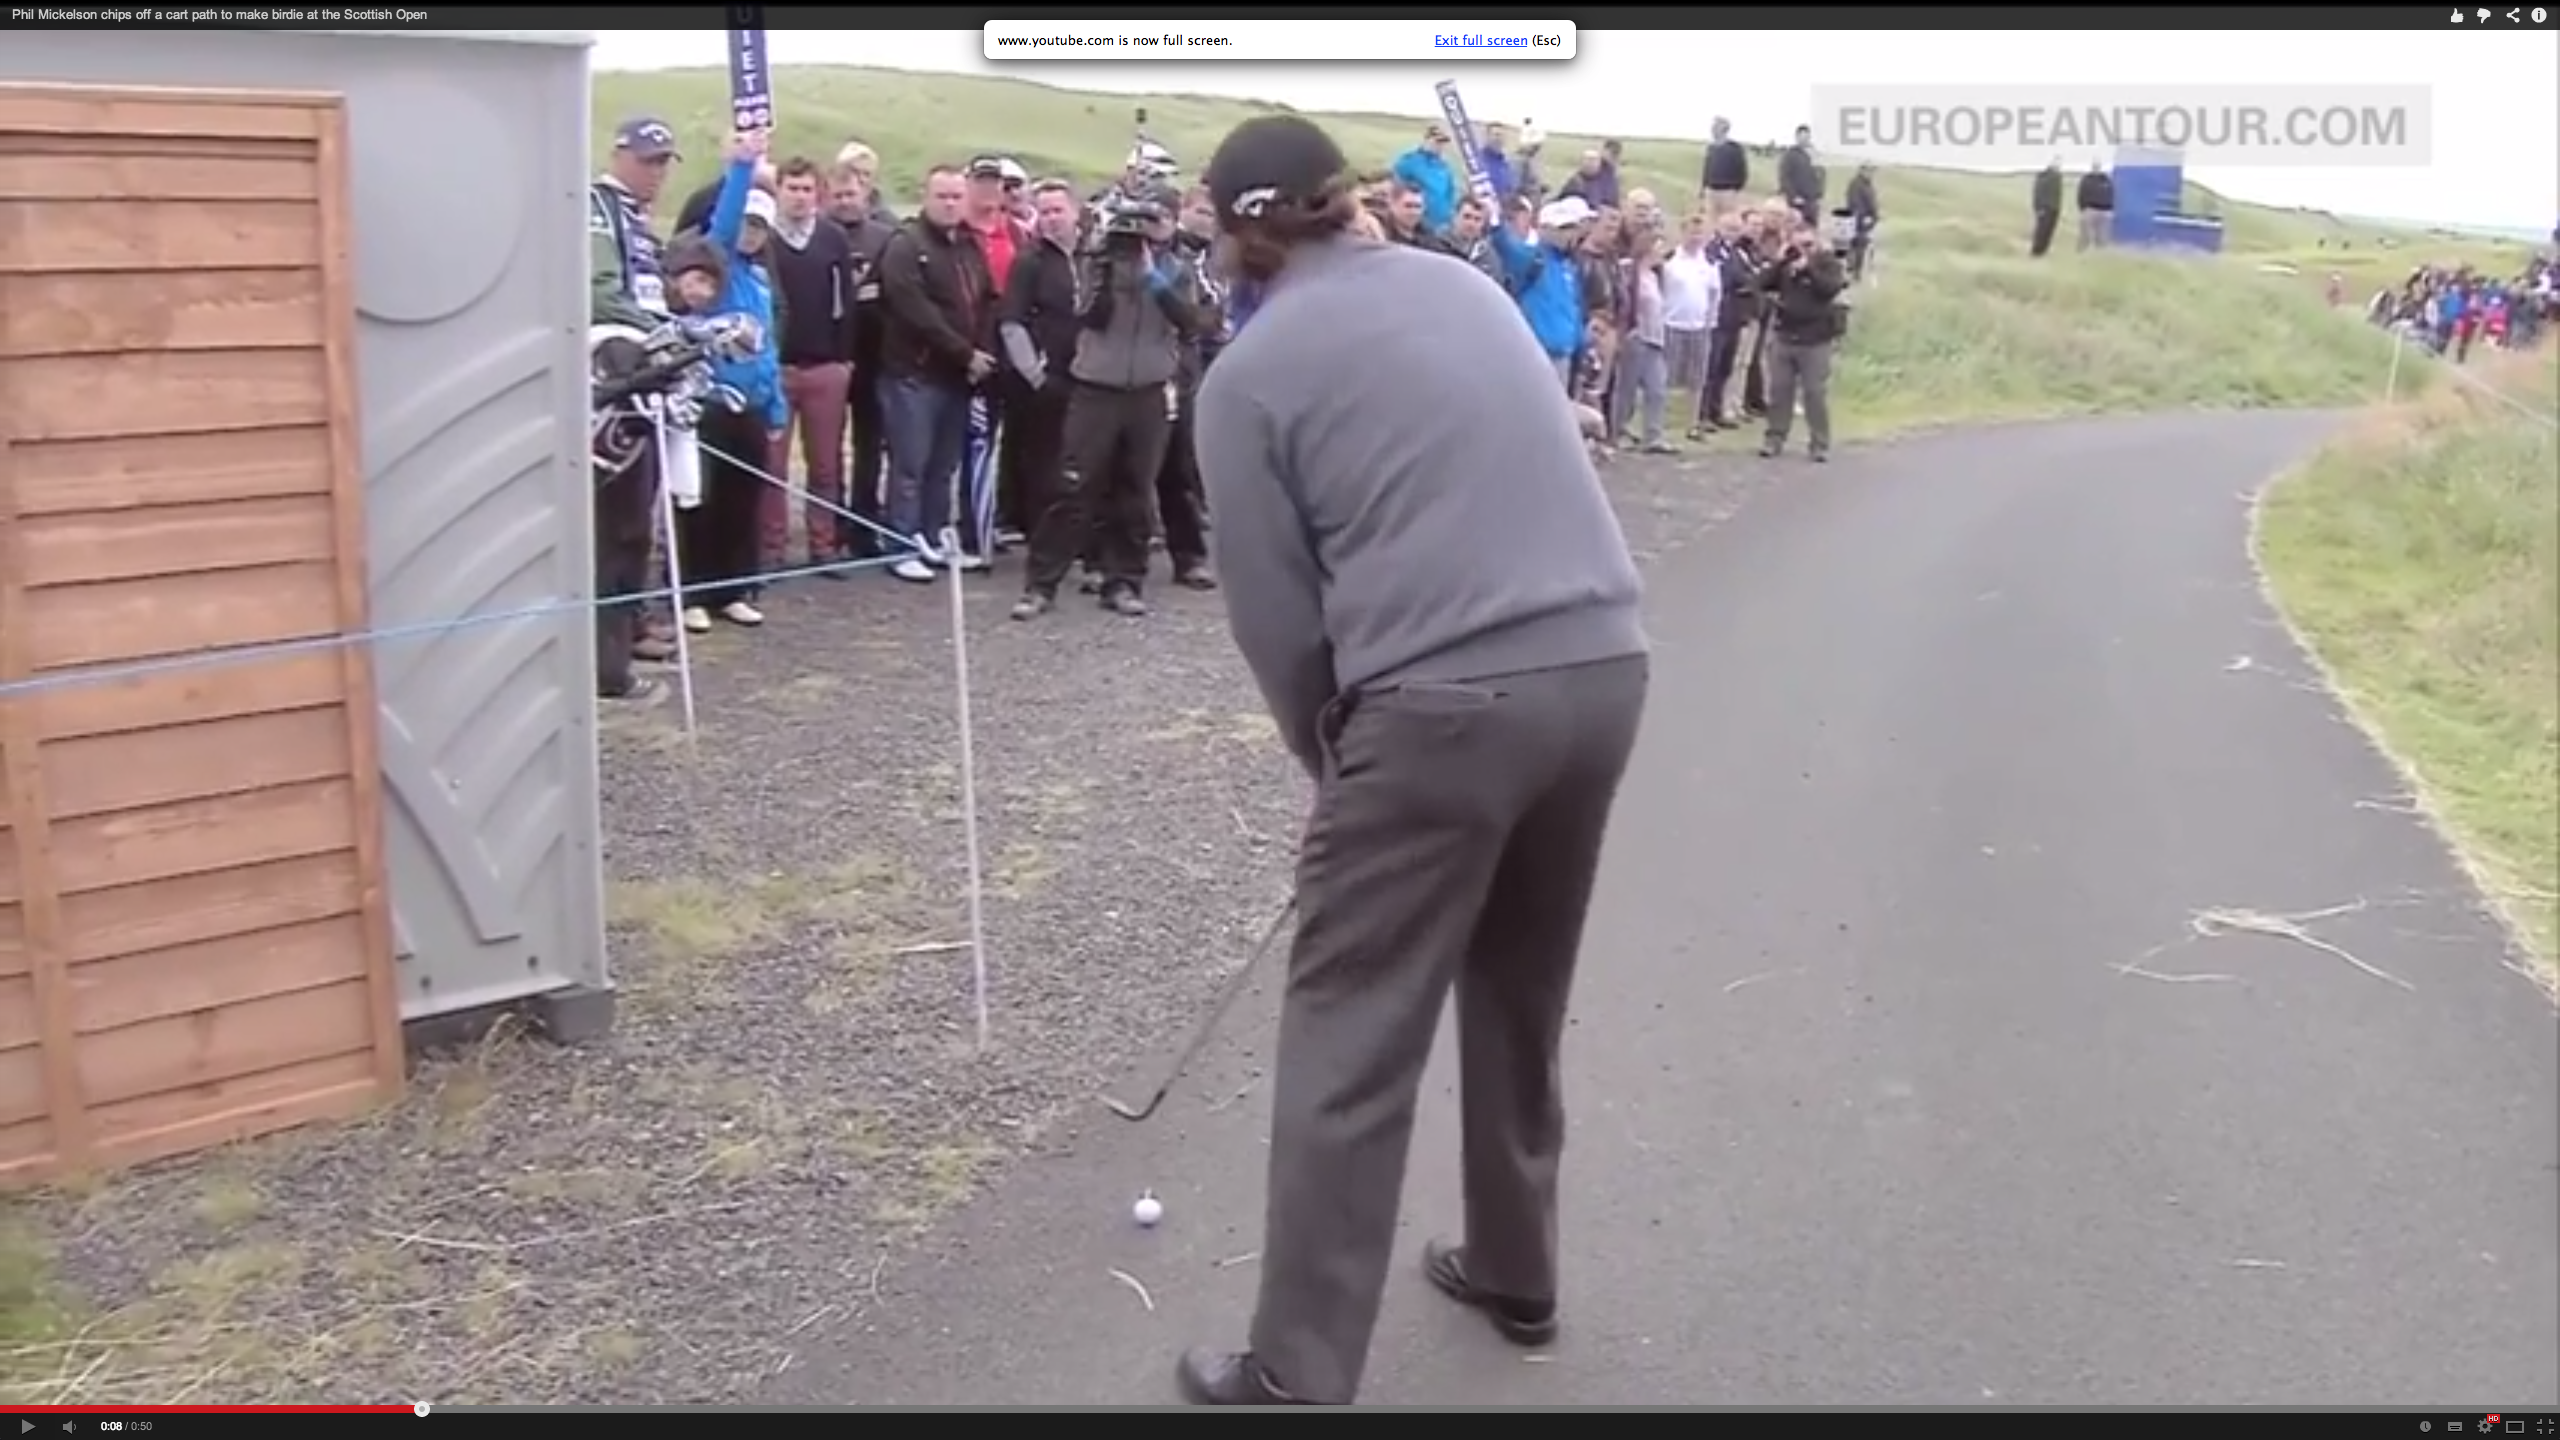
{"points": [[994, 190]]}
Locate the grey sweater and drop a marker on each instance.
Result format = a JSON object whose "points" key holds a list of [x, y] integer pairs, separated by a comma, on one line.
{"points": [[1400, 493]]}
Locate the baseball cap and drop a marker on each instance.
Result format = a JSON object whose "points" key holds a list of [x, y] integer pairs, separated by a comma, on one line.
{"points": [[986, 167], [1013, 172], [1272, 160], [760, 206], [1564, 214], [645, 138]]}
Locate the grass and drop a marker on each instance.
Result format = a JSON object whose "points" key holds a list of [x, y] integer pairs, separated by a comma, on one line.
{"points": [[1962, 327], [2420, 557]]}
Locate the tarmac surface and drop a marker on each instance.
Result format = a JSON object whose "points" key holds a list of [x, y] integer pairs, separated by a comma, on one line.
{"points": [[2013, 982]]}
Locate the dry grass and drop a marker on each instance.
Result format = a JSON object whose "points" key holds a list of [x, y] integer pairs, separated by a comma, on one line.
{"points": [[2420, 557]]}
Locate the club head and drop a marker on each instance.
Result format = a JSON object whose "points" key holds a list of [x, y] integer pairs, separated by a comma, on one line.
{"points": [[1127, 1111]]}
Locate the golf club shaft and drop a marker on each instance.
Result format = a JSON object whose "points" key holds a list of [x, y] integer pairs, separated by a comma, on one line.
{"points": [[1234, 987]]}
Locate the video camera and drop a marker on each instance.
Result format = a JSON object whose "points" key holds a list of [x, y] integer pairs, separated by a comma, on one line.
{"points": [[639, 380], [1122, 215]]}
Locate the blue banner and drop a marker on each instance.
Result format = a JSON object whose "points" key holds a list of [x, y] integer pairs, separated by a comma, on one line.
{"points": [[750, 78], [1463, 135]]}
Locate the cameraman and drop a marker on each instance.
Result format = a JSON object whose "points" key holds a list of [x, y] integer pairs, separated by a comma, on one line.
{"points": [[1803, 289], [1140, 308]]}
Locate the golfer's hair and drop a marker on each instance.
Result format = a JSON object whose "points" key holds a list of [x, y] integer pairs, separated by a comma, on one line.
{"points": [[857, 156], [1263, 242], [799, 167]]}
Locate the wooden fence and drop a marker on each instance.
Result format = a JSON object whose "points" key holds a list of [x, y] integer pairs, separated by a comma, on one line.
{"points": [[194, 924]]}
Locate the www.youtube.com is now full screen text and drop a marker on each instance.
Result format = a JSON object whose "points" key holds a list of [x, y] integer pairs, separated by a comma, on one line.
{"points": [[1267, 40]]}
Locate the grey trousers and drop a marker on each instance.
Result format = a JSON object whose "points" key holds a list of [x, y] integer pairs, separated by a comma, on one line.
{"points": [[1454, 842], [1797, 368]]}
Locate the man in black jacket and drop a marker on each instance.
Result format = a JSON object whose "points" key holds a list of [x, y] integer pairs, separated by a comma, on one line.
{"points": [[1799, 179], [938, 343], [853, 205], [1141, 306], [1803, 286], [1738, 273], [814, 266], [1726, 174], [2047, 203], [1038, 326], [1403, 220], [1858, 206], [1182, 509], [2097, 208]]}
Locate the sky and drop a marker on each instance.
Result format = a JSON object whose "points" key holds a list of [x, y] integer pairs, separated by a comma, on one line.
{"points": [[2495, 96]]}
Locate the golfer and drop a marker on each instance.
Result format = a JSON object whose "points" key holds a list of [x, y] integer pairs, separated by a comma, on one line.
{"points": [[1431, 590]]}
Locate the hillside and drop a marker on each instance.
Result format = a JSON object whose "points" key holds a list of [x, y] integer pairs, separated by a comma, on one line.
{"points": [[1962, 325]]}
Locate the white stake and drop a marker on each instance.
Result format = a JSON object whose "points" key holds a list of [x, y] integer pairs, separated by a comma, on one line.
{"points": [[968, 775], [675, 581]]}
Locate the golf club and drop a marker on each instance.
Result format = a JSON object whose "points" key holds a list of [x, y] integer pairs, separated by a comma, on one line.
{"points": [[1234, 986]]}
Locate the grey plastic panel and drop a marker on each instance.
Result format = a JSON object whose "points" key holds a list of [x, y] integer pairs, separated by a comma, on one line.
{"points": [[470, 231]]}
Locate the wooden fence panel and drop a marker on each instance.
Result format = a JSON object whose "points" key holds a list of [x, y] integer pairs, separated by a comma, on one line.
{"points": [[194, 920]]}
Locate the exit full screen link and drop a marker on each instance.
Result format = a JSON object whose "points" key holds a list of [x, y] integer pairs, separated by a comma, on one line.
{"points": [[1269, 40]]}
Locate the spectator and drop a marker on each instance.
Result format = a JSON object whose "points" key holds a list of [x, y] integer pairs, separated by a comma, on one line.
{"points": [[696, 213], [2097, 199], [1182, 509], [1000, 237], [851, 204], [1470, 240], [1799, 179], [1407, 219], [1692, 286], [1038, 327], [858, 160], [939, 305], [1592, 182], [716, 541], [1493, 152], [1528, 183], [814, 269], [1644, 365], [1539, 270], [628, 286], [2045, 202], [1726, 173], [1141, 305], [1860, 208], [1804, 288], [1644, 212], [1735, 252], [1425, 168]]}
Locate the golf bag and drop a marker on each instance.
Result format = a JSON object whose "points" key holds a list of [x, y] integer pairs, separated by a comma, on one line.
{"points": [[642, 382]]}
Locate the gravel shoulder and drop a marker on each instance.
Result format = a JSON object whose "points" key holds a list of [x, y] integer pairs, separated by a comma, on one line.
{"points": [[792, 1097]]}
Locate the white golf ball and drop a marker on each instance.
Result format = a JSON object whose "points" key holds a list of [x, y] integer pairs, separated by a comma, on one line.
{"points": [[1147, 1211]]}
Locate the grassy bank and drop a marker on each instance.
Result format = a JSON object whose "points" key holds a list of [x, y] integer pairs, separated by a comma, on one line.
{"points": [[2420, 558], [1963, 326]]}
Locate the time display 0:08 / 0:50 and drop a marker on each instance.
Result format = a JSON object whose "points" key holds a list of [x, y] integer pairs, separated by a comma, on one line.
{"points": [[129, 1427]]}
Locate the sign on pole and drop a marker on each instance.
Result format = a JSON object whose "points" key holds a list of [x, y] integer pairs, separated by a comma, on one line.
{"points": [[1454, 111], [750, 77]]}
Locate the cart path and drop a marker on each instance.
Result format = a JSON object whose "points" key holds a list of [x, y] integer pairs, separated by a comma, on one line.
{"points": [[1866, 1107]]}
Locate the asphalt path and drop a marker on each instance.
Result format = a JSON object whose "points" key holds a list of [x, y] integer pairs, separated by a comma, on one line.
{"points": [[2013, 982]]}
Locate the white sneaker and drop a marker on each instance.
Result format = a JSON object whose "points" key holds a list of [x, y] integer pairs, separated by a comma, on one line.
{"points": [[739, 612], [697, 620], [972, 563], [913, 570]]}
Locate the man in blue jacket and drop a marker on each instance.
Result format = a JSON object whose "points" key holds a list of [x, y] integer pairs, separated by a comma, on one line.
{"points": [[1426, 168], [716, 540], [1538, 269], [1494, 154]]}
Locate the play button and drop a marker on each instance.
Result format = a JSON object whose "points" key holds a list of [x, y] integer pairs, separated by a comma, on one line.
{"points": [[25, 1425]]}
